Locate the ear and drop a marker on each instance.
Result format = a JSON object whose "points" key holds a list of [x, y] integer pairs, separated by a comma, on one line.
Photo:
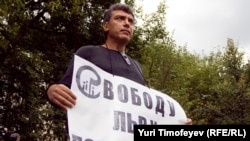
{"points": [[105, 26]]}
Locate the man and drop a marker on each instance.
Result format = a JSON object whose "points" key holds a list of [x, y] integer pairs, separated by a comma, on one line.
{"points": [[118, 24]]}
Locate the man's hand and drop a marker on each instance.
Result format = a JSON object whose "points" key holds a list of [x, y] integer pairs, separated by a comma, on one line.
{"points": [[61, 95], [188, 121]]}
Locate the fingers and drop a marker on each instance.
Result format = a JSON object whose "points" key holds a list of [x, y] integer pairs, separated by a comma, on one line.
{"points": [[63, 99], [189, 121], [58, 103], [65, 95], [62, 96]]}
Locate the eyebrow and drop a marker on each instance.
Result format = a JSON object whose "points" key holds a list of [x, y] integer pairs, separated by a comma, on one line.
{"points": [[124, 16]]}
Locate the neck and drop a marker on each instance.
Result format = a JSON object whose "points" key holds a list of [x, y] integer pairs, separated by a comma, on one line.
{"points": [[114, 45]]}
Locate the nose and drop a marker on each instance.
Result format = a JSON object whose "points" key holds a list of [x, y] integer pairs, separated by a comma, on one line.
{"points": [[127, 23]]}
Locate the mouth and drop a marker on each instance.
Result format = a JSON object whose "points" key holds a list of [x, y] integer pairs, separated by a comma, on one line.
{"points": [[125, 31]]}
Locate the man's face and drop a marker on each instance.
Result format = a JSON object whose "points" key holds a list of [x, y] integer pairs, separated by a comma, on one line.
{"points": [[120, 26]]}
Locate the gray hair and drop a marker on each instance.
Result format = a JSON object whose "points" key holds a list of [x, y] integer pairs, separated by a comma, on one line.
{"points": [[117, 6]]}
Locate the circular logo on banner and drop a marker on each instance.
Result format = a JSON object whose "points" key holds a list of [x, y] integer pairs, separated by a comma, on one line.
{"points": [[88, 81]]}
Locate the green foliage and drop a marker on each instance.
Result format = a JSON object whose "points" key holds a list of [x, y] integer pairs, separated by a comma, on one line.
{"points": [[221, 93], [212, 89]]}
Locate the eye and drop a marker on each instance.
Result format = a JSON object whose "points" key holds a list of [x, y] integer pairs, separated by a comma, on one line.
{"points": [[131, 21], [119, 18]]}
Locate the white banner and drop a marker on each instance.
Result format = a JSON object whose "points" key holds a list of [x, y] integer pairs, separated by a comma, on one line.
{"points": [[108, 106]]}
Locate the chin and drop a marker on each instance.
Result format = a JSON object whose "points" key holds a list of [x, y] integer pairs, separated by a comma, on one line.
{"points": [[125, 38]]}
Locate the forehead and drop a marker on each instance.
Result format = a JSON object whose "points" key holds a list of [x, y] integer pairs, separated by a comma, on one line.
{"points": [[121, 13]]}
